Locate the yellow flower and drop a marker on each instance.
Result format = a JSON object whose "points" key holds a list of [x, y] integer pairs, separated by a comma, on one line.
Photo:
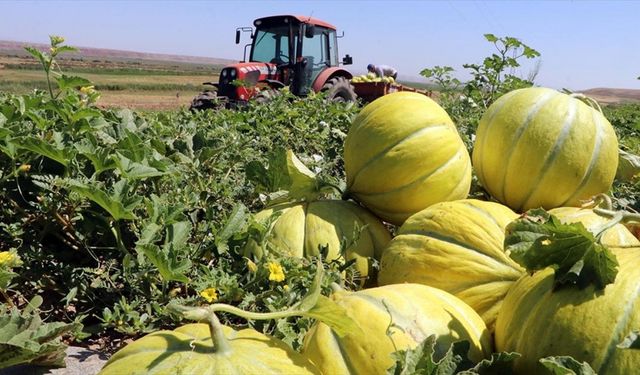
{"points": [[286, 288], [251, 266], [210, 294], [546, 242], [276, 273], [87, 90], [7, 257]]}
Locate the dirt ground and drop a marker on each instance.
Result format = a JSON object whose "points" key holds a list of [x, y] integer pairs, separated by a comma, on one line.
{"points": [[145, 100]]}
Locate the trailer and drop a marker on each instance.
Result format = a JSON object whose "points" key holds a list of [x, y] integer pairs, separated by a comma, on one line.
{"points": [[370, 91]]}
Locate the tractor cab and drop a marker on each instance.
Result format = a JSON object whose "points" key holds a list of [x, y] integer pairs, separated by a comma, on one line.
{"points": [[301, 47]]}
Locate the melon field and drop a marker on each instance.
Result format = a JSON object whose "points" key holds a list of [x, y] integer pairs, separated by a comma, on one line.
{"points": [[493, 231]]}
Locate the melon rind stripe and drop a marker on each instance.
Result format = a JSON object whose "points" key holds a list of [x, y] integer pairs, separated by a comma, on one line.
{"points": [[568, 123], [597, 120], [622, 324], [455, 191], [533, 111], [454, 242], [383, 152], [500, 105], [344, 354], [420, 179]]}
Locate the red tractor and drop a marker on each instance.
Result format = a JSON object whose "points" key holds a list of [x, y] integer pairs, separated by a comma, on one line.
{"points": [[298, 52]]}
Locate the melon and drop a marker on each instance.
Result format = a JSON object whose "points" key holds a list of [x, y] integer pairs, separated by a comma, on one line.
{"points": [[457, 247], [190, 349], [402, 154], [536, 147], [538, 321], [302, 229], [616, 236], [394, 317]]}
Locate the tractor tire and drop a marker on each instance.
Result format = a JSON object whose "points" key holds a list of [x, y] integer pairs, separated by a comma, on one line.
{"points": [[265, 96], [205, 100], [339, 89]]}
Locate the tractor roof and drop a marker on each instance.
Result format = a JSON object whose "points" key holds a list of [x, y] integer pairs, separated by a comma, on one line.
{"points": [[300, 19]]}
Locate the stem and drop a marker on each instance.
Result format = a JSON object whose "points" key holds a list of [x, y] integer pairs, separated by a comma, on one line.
{"points": [[47, 70], [627, 217], [115, 229], [587, 100], [604, 200], [252, 315], [615, 220], [220, 343], [6, 297]]}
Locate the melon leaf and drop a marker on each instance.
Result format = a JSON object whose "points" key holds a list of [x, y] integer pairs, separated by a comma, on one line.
{"points": [[25, 338], [538, 240], [565, 365], [423, 360]]}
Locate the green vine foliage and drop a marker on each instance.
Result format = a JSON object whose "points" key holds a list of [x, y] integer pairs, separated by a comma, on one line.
{"points": [[466, 101], [116, 213]]}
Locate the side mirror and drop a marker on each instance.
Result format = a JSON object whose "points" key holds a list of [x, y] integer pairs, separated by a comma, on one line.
{"points": [[347, 60], [309, 31], [237, 36]]}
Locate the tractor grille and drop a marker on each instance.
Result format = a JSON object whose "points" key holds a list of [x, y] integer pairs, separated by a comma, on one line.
{"points": [[225, 87]]}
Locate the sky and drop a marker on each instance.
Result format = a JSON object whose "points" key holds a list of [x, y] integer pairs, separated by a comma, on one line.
{"points": [[583, 44]]}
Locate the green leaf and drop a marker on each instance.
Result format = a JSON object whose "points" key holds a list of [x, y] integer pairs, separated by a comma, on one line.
{"points": [[302, 179], [167, 259], [113, 204], [133, 170], [335, 316], [315, 290], [286, 175], [499, 364], [170, 268], [631, 341], [491, 38], [100, 157], [85, 114], [177, 237], [24, 338], [43, 148], [538, 240], [61, 49], [6, 275], [235, 222], [38, 55], [565, 365], [422, 360], [71, 82]]}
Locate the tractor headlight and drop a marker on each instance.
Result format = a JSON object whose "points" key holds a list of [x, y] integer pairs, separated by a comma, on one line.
{"points": [[224, 73], [232, 73]]}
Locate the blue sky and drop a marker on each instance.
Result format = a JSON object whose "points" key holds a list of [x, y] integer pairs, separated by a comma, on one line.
{"points": [[584, 44]]}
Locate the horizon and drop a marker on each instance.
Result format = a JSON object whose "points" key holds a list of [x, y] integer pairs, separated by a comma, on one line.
{"points": [[573, 57]]}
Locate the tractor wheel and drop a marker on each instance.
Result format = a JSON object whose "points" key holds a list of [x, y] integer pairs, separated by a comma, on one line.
{"points": [[339, 89], [265, 96], [204, 100]]}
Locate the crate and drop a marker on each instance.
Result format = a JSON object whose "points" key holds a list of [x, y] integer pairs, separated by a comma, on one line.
{"points": [[370, 91]]}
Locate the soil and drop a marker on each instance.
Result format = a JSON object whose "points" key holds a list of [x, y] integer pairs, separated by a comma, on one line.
{"points": [[79, 361]]}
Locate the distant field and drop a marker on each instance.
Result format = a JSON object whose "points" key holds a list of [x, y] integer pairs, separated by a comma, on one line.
{"points": [[137, 84]]}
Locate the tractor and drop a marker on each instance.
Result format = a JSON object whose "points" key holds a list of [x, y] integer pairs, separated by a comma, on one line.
{"points": [[297, 52]]}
